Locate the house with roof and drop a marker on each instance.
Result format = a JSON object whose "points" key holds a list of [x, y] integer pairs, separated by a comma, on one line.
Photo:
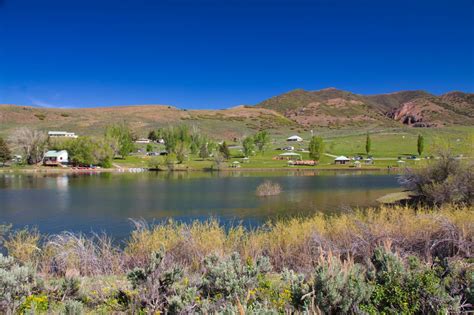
{"points": [[341, 160], [56, 158]]}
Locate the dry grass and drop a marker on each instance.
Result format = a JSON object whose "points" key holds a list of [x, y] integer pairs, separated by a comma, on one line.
{"points": [[268, 188], [295, 243]]}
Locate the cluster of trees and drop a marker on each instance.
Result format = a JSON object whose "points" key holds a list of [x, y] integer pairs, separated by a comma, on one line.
{"points": [[116, 142], [258, 141], [182, 141], [86, 151], [32, 144]]}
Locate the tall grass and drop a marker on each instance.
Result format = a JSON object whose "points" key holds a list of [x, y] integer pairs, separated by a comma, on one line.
{"points": [[295, 243], [388, 259]]}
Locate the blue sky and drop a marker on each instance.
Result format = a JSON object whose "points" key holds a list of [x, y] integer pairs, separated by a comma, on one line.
{"points": [[216, 54]]}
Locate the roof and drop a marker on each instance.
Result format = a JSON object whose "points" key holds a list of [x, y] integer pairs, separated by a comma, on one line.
{"points": [[59, 132], [342, 158], [55, 153], [295, 137]]}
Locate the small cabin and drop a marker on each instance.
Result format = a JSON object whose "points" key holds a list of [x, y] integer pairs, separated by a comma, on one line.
{"points": [[341, 160], [55, 158]]}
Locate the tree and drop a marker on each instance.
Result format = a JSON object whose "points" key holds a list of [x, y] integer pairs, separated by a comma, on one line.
{"points": [[224, 150], [261, 140], [420, 144], [124, 138], [31, 142], [5, 153], [368, 143], [316, 148], [149, 147], [86, 151], [181, 152], [152, 136], [204, 151], [248, 146]]}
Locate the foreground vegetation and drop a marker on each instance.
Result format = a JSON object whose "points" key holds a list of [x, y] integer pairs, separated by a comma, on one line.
{"points": [[383, 260]]}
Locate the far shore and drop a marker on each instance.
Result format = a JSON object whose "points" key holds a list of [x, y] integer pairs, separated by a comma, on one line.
{"points": [[52, 170]]}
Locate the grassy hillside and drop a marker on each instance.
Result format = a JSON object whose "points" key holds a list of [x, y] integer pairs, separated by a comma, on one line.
{"points": [[226, 123]]}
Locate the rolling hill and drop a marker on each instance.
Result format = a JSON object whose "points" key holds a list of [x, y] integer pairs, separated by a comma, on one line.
{"points": [[333, 107], [295, 110], [227, 123]]}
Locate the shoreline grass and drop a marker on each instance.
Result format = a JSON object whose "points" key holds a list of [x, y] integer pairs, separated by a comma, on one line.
{"points": [[281, 262]]}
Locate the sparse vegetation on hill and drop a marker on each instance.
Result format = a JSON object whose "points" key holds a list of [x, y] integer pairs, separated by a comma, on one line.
{"points": [[332, 107]]}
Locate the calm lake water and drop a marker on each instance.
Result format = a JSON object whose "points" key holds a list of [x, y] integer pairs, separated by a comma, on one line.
{"points": [[106, 202]]}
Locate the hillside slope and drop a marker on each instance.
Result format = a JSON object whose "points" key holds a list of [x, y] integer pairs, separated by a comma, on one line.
{"points": [[227, 123], [329, 107]]}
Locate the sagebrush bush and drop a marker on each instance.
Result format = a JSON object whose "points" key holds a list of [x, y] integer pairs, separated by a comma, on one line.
{"points": [[16, 284]]}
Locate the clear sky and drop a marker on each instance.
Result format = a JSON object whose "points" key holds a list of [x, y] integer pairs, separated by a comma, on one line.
{"points": [[220, 53]]}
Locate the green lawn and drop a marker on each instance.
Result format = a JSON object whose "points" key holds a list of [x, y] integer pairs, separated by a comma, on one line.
{"points": [[387, 146]]}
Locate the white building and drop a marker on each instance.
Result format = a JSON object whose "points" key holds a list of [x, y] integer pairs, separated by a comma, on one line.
{"points": [[295, 138], [61, 134], [143, 141], [54, 157], [341, 160]]}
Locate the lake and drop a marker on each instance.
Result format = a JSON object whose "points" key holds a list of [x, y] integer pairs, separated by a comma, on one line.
{"points": [[105, 202]]}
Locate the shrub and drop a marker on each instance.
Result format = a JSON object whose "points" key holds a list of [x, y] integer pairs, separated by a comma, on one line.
{"points": [[72, 307], [24, 245], [155, 283], [444, 181], [230, 278], [16, 283], [340, 287], [268, 188], [416, 289]]}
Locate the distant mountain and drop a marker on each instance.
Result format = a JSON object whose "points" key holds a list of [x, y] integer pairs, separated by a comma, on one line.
{"points": [[333, 107]]}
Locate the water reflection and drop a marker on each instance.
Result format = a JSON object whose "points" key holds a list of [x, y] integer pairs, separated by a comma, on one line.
{"points": [[105, 202]]}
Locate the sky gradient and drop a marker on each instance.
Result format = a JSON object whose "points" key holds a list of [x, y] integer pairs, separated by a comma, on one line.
{"points": [[216, 54]]}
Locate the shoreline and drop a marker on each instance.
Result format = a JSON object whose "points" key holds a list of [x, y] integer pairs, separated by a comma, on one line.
{"points": [[141, 170]]}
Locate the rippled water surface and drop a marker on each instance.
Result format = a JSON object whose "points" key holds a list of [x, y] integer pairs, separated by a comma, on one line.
{"points": [[106, 202]]}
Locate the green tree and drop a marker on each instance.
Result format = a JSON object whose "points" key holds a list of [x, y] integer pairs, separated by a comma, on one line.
{"points": [[5, 153], [368, 143], [124, 138], [248, 146], [316, 148], [224, 150], [261, 140], [420, 144], [182, 151], [204, 151], [149, 147], [152, 135]]}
